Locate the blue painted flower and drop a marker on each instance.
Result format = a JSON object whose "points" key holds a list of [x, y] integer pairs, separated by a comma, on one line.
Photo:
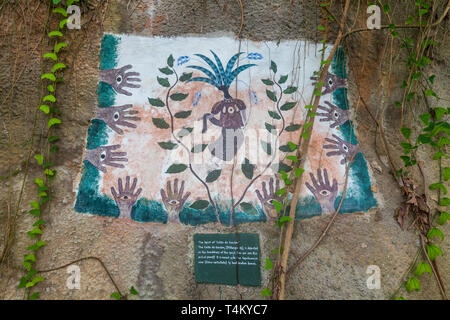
{"points": [[182, 60], [253, 97], [196, 98], [254, 56]]}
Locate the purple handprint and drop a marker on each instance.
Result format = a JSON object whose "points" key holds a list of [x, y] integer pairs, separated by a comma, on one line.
{"points": [[118, 116], [174, 200], [126, 197], [324, 192], [268, 198], [332, 83], [104, 156], [342, 148], [332, 113], [119, 78]]}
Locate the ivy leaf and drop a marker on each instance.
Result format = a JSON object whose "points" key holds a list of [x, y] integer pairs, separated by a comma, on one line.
{"points": [[176, 168], [271, 95], [133, 291], [160, 123], [283, 79], [58, 66], [274, 115], [170, 60], [199, 205], [444, 217], [62, 23], [213, 175], [285, 148], [34, 296], [288, 106], [267, 82], [39, 158], [185, 77], [166, 70], [283, 220], [55, 34], [446, 174], [267, 147], [290, 90], [53, 121], [199, 148], [49, 76], [434, 251], [425, 118], [278, 205], [182, 114], [115, 295], [248, 169], [50, 55], [163, 81], [266, 292], [293, 127], [299, 172], [50, 98], [438, 185], [439, 112], [156, 102], [406, 132], [421, 268], [59, 46], [248, 208], [412, 284], [435, 232], [178, 96], [168, 145], [278, 167], [269, 264]]}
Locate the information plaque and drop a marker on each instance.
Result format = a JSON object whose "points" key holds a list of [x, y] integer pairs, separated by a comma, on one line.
{"points": [[227, 259]]}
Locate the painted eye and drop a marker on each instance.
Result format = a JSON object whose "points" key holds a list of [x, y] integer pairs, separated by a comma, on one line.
{"points": [[125, 197], [119, 79], [330, 82], [230, 110], [224, 110], [103, 155], [325, 193], [174, 202], [345, 148], [116, 116], [336, 114]]}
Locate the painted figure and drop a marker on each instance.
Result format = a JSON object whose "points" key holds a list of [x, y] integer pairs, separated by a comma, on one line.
{"points": [[104, 156], [126, 197], [231, 111], [119, 79], [332, 114], [118, 116], [324, 192], [332, 83], [174, 200], [268, 197], [341, 148]]}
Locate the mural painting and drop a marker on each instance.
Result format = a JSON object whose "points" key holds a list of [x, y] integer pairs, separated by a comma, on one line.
{"points": [[199, 130]]}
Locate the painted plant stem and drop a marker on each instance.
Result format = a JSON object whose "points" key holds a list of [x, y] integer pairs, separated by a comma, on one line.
{"points": [[172, 129]]}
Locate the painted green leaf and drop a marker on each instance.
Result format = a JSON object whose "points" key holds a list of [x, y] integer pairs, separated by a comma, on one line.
{"points": [[412, 284], [50, 55], [290, 90], [434, 251], [279, 167], [274, 115], [213, 175], [248, 169], [179, 96], [285, 148], [156, 102], [176, 168], [283, 79], [170, 61], [269, 264], [293, 127], [163, 81], [184, 132], [288, 106], [49, 76], [183, 114], [168, 145], [267, 82], [55, 34], [166, 70], [248, 208], [435, 232], [273, 66], [50, 98], [58, 66], [267, 147], [272, 129], [199, 205], [199, 148], [271, 95], [160, 123], [185, 76], [53, 121]]}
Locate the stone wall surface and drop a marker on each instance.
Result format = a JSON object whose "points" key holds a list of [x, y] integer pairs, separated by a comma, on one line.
{"points": [[157, 259]]}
